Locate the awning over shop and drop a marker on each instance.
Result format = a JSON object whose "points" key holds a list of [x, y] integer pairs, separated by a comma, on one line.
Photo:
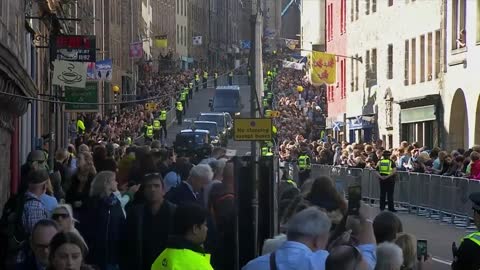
{"points": [[418, 114], [419, 109], [362, 122]]}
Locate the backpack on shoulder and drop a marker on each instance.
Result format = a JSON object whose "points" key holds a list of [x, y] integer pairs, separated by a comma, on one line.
{"points": [[12, 233]]}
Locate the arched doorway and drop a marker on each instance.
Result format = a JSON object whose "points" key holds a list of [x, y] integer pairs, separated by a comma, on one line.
{"points": [[477, 122], [458, 130]]}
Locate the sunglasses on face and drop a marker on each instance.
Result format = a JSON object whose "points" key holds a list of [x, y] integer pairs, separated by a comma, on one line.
{"points": [[151, 174], [61, 215]]}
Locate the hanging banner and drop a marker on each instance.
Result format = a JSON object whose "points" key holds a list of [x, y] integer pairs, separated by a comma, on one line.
{"points": [[89, 94], [161, 41], [323, 68], [245, 44], [293, 65], [136, 49], [66, 73], [197, 41], [91, 72], [103, 70]]}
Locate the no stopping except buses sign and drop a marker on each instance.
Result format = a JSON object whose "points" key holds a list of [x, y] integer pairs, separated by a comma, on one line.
{"points": [[252, 129]]}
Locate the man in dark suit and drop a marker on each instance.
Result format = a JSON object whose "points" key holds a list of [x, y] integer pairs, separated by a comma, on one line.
{"points": [[189, 191], [148, 226]]}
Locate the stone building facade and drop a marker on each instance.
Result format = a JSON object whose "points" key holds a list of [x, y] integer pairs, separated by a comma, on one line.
{"points": [[461, 95], [394, 93]]}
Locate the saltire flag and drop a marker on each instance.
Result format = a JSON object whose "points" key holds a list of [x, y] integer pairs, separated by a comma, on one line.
{"points": [[197, 41], [245, 44], [293, 65], [161, 41], [291, 43], [136, 49], [323, 68]]}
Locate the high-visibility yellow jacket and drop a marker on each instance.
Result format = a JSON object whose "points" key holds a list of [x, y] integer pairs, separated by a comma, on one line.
{"points": [[149, 131], [163, 115], [179, 106], [156, 124], [80, 126], [182, 259]]}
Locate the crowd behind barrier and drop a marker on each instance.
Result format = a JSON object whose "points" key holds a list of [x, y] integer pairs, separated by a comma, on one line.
{"points": [[129, 121], [444, 197]]}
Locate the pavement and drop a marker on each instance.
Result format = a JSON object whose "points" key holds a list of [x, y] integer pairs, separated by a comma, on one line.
{"points": [[199, 104], [439, 235]]}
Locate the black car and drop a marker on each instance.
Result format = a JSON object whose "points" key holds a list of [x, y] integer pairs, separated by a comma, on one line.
{"points": [[193, 143], [217, 138], [223, 120], [227, 99]]}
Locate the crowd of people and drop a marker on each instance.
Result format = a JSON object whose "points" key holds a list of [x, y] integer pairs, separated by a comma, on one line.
{"points": [[98, 210], [128, 121], [146, 207], [302, 110], [110, 205]]}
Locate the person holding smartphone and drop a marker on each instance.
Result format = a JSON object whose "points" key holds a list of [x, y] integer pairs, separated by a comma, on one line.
{"points": [[466, 256], [387, 170]]}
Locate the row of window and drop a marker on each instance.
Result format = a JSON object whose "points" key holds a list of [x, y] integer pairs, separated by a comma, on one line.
{"points": [[341, 84], [330, 16], [426, 50], [428, 60], [458, 19], [370, 7], [181, 35], [182, 7]]}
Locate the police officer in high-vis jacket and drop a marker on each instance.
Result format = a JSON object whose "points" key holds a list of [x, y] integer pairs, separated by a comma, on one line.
{"points": [[190, 90], [184, 248], [148, 131], [183, 100], [179, 111], [156, 128], [205, 79], [163, 122], [386, 169], [466, 256], [197, 81], [304, 167], [230, 78]]}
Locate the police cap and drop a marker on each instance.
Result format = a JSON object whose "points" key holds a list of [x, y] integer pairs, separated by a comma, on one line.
{"points": [[475, 198], [386, 153]]}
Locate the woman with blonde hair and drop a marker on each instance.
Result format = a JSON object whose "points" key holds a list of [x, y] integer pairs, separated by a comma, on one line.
{"points": [[103, 219], [408, 243], [63, 215]]}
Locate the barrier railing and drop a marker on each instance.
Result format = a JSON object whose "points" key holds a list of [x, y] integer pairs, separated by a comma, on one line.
{"points": [[436, 196]]}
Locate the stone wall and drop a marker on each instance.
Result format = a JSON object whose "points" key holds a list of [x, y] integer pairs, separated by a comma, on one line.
{"points": [[5, 142]]}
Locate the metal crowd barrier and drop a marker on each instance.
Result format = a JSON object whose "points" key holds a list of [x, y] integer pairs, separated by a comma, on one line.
{"points": [[436, 196]]}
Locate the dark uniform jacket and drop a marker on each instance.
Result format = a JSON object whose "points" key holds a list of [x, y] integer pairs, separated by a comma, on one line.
{"points": [[467, 256], [145, 235]]}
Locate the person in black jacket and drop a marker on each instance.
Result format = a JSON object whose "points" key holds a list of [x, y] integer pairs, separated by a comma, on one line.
{"points": [[103, 222], [148, 226], [189, 191]]}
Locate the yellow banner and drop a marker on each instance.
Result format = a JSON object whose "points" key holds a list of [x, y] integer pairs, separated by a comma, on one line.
{"points": [[323, 68], [161, 42]]}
